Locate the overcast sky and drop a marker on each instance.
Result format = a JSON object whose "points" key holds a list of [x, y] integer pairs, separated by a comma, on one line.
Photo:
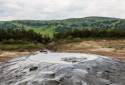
{"points": [[60, 9]]}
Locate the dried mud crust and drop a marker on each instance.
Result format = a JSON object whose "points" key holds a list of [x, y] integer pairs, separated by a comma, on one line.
{"points": [[111, 48], [100, 71]]}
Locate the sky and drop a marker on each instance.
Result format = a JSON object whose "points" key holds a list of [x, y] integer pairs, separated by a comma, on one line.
{"points": [[59, 9]]}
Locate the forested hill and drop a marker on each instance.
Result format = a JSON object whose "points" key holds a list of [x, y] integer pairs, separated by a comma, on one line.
{"points": [[51, 26]]}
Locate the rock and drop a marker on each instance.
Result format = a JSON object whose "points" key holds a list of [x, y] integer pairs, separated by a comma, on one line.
{"points": [[46, 75], [43, 51], [36, 83], [52, 82], [23, 83], [33, 68]]}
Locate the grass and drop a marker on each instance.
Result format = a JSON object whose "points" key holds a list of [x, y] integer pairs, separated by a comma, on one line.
{"points": [[116, 46], [69, 40], [102, 38], [21, 47]]}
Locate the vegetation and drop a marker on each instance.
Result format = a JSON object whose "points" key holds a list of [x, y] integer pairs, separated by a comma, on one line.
{"points": [[52, 26], [21, 34], [85, 33], [26, 34], [22, 47], [20, 39]]}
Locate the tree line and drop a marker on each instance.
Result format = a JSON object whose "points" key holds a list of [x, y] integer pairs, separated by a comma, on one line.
{"points": [[90, 33], [31, 35], [22, 34]]}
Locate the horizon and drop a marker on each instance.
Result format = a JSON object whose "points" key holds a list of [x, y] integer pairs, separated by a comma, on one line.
{"points": [[65, 18], [59, 9]]}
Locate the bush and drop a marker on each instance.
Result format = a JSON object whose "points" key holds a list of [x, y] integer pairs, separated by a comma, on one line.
{"points": [[67, 40], [12, 41], [77, 39], [21, 47]]}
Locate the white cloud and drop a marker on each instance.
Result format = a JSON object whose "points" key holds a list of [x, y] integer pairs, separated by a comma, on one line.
{"points": [[60, 9]]}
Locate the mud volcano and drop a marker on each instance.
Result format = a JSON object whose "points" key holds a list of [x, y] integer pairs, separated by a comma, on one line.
{"points": [[62, 69]]}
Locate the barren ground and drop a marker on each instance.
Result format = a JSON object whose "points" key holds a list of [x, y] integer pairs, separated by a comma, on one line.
{"points": [[111, 48], [7, 55]]}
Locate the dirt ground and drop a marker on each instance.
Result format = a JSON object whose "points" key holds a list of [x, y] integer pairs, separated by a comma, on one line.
{"points": [[7, 55], [111, 48]]}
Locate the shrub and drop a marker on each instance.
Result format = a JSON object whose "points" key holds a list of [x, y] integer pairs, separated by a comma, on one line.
{"points": [[12, 41], [77, 39], [67, 40], [21, 47]]}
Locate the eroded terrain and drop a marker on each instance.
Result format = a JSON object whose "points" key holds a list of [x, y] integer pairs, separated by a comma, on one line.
{"points": [[62, 69], [110, 48]]}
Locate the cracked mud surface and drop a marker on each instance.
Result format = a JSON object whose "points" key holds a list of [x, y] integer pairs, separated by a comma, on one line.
{"points": [[87, 70]]}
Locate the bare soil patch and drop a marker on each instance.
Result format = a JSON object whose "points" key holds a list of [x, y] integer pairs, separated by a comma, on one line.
{"points": [[7, 55], [111, 48]]}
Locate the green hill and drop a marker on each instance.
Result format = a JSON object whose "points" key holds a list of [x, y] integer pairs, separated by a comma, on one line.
{"points": [[51, 26]]}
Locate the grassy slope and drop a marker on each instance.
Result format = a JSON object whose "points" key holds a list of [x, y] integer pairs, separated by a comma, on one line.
{"points": [[48, 27]]}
